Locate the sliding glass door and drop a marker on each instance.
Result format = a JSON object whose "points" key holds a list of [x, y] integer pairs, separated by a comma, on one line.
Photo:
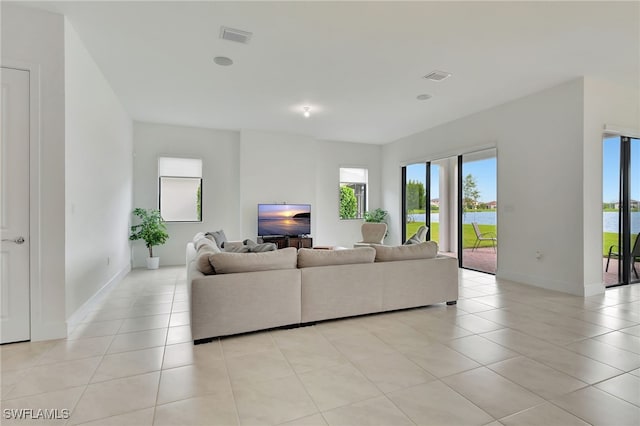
{"points": [[621, 210], [633, 262], [456, 198], [416, 193], [478, 221]]}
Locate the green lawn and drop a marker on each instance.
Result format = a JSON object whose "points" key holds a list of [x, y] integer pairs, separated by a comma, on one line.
{"points": [[609, 238], [469, 237]]}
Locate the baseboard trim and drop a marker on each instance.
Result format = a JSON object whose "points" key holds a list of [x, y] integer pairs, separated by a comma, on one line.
{"points": [[75, 318], [593, 289], [49, 331], [540, 282]]}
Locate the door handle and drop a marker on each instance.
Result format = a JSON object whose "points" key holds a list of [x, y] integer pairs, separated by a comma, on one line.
{"points": [[18, 240]]}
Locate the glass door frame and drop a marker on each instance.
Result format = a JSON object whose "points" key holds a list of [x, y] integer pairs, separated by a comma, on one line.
{"points": [[625, 261], [427, 196], [460, 197]]}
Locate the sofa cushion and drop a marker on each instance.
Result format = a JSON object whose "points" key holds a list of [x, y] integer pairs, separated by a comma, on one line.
{"points": [[218, 236], [202, 258], [425, 250], [308, 258], [227, 263], [204, 241], [197, 237]]}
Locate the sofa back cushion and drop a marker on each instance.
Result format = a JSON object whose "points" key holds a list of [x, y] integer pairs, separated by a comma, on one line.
{"points": [[308, 258], [202, 258], [425, 250], [228, 263], [204, 241]]}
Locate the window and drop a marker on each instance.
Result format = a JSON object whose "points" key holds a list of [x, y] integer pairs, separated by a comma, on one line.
{"points": [[180, 189], [353, 192]]}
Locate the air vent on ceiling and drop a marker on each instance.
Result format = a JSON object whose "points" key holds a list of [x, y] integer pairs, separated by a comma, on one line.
{"points": [[232, 34], [437, 75]]}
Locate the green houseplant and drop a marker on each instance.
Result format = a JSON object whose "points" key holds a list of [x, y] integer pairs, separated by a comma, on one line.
{"points": [[376, 216], [152, 230]]}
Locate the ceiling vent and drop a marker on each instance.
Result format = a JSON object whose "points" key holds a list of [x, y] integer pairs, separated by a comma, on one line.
{"points": [[437, 75], [232, 34]]}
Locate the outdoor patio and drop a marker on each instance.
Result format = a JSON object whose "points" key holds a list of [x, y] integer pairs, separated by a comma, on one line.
{"points": [[611, 277], [481, 259]]}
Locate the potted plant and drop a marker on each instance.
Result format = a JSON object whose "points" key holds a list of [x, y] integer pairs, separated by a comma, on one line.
{"points": [[152, 230], [377, 216]]}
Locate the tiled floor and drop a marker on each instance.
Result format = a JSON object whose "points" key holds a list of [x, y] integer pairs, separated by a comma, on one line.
{"points": [[506, 354]]}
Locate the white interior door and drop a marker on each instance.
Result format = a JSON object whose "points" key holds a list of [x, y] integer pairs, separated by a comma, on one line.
{"points": [[14, 207]]}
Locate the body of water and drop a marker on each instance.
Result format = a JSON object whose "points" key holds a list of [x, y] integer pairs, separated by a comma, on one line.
{"points": [[610, 222], [609, 219], [482, 218], [288, 226]]}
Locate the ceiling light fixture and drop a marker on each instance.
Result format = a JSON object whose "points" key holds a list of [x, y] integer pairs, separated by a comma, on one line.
{"points": [[223, 61], [437, 75], [307, 112], [423, 97]]}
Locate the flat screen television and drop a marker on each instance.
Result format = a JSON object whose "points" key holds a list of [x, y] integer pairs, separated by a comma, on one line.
{"points": [[287, 220]]}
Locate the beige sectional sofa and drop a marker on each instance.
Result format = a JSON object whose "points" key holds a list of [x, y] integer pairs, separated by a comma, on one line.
{"points": [[309, 285]]}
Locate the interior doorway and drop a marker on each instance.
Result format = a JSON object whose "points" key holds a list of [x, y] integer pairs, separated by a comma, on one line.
{"points": [[14, 212]]}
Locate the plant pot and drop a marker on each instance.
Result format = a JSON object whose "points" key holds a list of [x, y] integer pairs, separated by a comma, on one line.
{"points": [[153, 262]]}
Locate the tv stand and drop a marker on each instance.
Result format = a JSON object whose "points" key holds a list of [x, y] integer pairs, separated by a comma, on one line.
{"points": [[284, 242]]}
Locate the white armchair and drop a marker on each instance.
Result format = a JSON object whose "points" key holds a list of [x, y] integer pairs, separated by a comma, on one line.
{"points": [[372, 233]]}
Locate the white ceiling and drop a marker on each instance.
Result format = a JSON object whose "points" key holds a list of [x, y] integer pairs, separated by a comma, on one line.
{"points": [[358, 65]]}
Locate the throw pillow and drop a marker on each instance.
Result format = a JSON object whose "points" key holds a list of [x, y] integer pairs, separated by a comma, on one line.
{"points": [[219, 237], [249, 243], [236, 249], [261, 248], [412, 240], [419, 237]]}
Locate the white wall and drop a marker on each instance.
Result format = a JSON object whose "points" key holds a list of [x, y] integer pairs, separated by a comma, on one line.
{"points": [[539, 142], [281, 167], [219, 151], [35, 39], [604, 104], [243, 169], [275, 168], [99, 177], [330, 230]]}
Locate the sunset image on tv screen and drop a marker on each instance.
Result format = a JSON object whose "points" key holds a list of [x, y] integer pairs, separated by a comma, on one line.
{"points": [[284, 219]]}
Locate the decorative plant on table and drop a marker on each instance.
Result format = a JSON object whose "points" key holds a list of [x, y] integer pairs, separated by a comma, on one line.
{"points": [[377, 216], [152, 230]]}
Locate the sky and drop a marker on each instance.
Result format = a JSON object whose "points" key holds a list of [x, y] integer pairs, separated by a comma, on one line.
{"points": [[611, 169], [281, 210], [484, 171]]}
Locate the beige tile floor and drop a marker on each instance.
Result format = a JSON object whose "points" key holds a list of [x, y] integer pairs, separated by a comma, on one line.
{"points": [[506, 354]]}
